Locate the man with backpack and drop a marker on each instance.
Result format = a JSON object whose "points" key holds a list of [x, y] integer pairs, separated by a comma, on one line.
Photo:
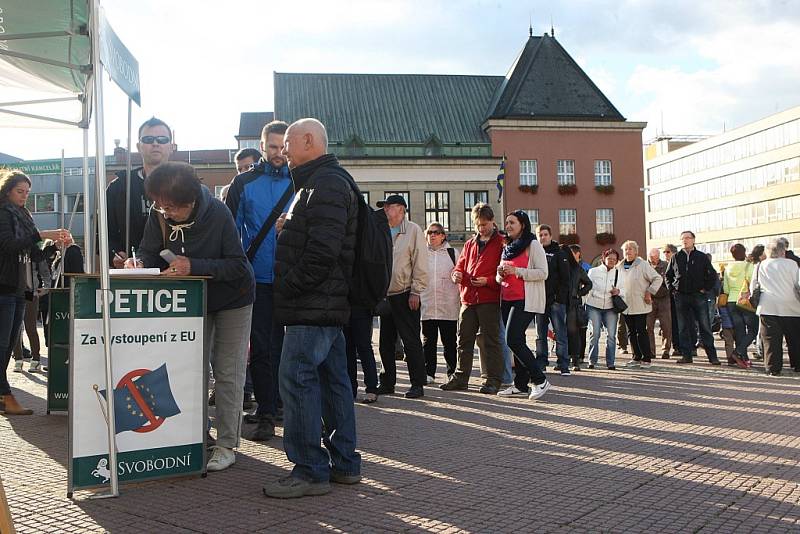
{"points": [[314, 265], [409, 280], [256, 198]]}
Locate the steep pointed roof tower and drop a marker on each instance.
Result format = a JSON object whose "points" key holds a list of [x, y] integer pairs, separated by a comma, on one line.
{"points": [[546, 83]]}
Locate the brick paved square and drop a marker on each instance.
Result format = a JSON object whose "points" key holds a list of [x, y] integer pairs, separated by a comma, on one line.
{"points": [[665, 450]]}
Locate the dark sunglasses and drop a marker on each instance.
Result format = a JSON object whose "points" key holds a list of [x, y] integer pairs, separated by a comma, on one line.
{"points": [[435, 232], [150, 139]]}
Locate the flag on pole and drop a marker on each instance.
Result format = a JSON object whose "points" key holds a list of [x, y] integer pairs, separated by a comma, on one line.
{"points": [[501, 179]]}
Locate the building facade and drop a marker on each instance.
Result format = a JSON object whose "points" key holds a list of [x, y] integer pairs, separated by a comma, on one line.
{"points": [[572, 160], [742, 186]]}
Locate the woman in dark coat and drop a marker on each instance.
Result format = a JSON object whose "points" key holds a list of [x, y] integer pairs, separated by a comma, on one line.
{"points": [[21, 244], [577, 317]]}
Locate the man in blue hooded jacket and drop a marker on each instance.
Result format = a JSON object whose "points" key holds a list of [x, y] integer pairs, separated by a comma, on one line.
{"points": [[251, 198]]}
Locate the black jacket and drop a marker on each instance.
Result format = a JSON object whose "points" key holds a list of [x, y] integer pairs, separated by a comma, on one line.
{"points": [[10, 248], [792, 256], [579, 284], [316, 248], [213, 247], [690, 275], [140, 207], [557, 283]]}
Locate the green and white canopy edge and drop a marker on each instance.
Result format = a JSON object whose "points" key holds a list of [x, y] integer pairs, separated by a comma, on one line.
{"points": [[50, 76]]}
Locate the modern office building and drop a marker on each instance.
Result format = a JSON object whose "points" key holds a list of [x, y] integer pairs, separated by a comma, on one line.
{"points": [[742, 186]]}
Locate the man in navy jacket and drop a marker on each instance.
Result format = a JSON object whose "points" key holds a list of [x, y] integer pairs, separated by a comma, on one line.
{"points": [[251, 198], [690, 276]]}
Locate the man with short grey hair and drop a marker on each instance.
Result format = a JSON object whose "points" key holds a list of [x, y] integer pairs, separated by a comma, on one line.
{"points": [[789, 253], [314, 263]]}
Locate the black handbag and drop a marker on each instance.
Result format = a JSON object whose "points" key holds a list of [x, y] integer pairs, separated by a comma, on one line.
{"points": [[755, 295], [616, 301]]}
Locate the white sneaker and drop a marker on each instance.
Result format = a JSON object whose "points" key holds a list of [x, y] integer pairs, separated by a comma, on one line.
{"points": [[221, 458], [511, 391], [431, 380], [18, 366], [35, 367], [633, 364], [539, 390], [645, 365]]}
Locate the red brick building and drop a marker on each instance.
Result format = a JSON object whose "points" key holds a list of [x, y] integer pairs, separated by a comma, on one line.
{"points": [[572, 160]]}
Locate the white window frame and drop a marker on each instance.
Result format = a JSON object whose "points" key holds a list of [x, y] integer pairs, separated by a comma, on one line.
{"points": [[602, 172], [567, 216], [528, 172], [533, 215], [565, 171], [604, 220]]}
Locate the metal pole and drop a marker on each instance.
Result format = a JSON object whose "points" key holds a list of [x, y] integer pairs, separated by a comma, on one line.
{"points": [[128, 187], [88, 233], [62, 204], [102, 225]]}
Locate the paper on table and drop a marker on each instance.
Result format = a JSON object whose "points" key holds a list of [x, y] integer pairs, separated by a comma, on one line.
{"points": [[150, 271]]}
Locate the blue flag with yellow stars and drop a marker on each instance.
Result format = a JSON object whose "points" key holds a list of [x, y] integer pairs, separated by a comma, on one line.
{"points": [[501, 179], [142, 400]]}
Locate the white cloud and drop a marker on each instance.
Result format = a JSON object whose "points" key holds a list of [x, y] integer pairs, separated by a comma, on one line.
{"points": [[753, 74]]}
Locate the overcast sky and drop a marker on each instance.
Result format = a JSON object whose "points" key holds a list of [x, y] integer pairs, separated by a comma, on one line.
{"points": [[702, 66]]}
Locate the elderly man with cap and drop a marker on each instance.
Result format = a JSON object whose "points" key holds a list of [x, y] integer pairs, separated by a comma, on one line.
{"points": [[402, 317]]}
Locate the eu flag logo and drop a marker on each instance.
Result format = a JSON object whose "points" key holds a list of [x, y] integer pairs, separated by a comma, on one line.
{"points": [[143, 400]]}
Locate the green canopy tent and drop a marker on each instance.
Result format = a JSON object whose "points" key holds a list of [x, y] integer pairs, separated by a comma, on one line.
{"points": [[52, 54]]}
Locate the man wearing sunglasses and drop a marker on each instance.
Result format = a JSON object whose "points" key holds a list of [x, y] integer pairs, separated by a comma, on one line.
{"points": [[155, 146]]}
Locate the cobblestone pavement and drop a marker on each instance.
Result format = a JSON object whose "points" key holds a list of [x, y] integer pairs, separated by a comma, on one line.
{"points": [[661, 450]]}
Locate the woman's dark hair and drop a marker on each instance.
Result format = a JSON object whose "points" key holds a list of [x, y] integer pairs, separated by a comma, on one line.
{"points": [[174, 181], [524, 220], [9, 178], [755, 254], [575, 249], [738, 252], [608, 252], [570, 258]]}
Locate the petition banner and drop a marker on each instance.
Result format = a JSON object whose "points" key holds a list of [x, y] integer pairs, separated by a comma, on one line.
{"points": [[159, 380]]}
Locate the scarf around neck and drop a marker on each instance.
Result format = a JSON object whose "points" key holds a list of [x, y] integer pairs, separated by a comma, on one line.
{"points": [[518, 246]]}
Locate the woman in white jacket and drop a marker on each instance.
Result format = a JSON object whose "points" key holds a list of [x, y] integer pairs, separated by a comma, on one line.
{"points": [[440, 302], [638, 282], [601, 309], [521, 275]]}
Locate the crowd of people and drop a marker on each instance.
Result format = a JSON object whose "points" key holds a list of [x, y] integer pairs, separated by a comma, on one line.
{"points": [[281, 249]]}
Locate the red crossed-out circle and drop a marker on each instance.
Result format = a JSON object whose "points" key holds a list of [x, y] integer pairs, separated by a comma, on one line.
{"points": [[153, 421]]}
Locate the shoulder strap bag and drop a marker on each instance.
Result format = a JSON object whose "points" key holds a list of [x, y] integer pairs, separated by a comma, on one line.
{"points": [[269, 222], [617, 301]]}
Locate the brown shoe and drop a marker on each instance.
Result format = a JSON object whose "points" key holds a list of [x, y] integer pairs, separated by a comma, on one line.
{"points": [[12, 407]]}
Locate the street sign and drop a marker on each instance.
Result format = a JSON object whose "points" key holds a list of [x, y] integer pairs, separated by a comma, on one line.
{"points": [[39, 166], [160, 376], [119, 62]]}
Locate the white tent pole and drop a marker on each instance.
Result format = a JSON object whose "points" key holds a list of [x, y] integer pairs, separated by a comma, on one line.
{"points": [[128, 186], [88, 235], [102, 225], [62, 204]]}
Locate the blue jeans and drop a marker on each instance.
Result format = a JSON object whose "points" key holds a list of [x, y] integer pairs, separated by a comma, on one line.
{"points": [[557, 314], [266, 338], [508, 358], [692, 307], [745, 328], [317, 401], [608, 319], [12, 311]]}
